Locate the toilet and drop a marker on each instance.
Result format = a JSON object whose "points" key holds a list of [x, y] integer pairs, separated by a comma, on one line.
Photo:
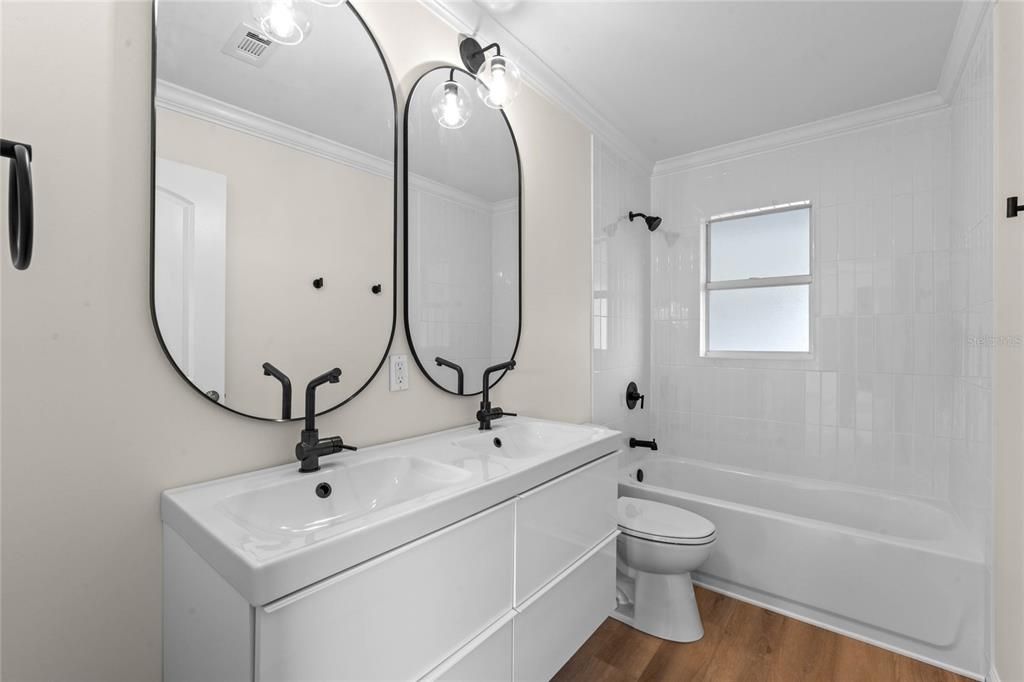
{"points": [[658, 546]]}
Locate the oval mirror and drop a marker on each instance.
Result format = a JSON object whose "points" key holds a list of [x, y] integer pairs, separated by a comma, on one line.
{"points": [[274, 201], [462, 232]]}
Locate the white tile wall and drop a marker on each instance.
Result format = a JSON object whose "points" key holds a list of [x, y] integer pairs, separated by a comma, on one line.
{"points": [[621, 321], [903, 283], [964, 402], [467, 308]]}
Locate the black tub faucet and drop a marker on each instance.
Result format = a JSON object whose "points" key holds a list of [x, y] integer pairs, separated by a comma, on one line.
{"points": [[311, 448], [637, 443], [486, 413]]}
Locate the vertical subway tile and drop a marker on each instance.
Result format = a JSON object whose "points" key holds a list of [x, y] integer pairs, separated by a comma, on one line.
{"points": [[829, 398], [828, 288], [924, 294], [865, 344], [846, 230], [883, 285], [881, 217], [847, 400], [882, 403], [864, 273], [864, 411], [903, 224], [903, 284], [847, 287], [847, 344], [812, 397], [903, 403]]}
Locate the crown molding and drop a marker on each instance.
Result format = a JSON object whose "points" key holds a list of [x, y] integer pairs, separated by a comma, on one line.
{"points": [[172, 97], [968, 23], [469, 18], [421, 183], [827, 127]]}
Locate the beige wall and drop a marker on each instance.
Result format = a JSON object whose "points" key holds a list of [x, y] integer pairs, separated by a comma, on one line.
{"points": [[293, 217], [1008, 569], [96, 423]]}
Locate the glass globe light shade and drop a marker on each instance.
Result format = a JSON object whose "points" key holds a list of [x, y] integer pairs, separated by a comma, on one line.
{"points": [[451, 106], [499, 81], [283, 21]]}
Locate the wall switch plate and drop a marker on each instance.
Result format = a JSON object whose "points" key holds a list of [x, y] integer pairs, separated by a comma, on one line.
{"points": [[399, 372]]}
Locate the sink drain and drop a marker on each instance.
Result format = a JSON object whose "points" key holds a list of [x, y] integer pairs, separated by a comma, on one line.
{"points": [[639, 475], [323, 490], [497, 442]]}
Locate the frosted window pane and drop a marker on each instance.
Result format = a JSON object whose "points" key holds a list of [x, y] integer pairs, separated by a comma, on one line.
{"points": [[761, 319], [767, 245]]}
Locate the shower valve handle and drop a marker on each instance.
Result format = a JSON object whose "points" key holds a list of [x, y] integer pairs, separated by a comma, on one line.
{"points": [[633, 396]]}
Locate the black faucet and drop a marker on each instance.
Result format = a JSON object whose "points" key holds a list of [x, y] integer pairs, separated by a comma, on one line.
{"points": [[637, 443], [486, 413], [441, 362], [286, 388], [311, 448]]}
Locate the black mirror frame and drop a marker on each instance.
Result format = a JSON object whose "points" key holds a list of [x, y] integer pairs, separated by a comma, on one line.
{"points": [[152, 228], [405, 236]]}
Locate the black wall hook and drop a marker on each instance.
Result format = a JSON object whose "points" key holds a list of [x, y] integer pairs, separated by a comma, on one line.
{"points": [[20, 220]]}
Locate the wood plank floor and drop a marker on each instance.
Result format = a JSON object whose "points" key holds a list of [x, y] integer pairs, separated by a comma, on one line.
{"points": [[742, 643]]}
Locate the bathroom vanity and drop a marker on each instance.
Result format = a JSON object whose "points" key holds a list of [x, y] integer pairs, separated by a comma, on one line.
{"points": [[482, 555]]}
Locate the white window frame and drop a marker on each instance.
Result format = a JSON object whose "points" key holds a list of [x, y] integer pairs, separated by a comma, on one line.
{"points": [[755, 283]]}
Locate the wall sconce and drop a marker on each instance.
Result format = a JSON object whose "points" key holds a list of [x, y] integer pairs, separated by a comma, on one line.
{"points": [[450, 106], [499, 78]]}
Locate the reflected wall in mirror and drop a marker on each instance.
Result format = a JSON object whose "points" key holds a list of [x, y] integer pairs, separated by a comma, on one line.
{"points": [[462, 228], [274, 202]]}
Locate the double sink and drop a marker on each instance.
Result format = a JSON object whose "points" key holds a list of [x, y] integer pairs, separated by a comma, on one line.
{"points": [[274, 531]]}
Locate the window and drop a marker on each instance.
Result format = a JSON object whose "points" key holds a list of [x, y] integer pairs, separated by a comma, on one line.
{"points": [[757, 282]]}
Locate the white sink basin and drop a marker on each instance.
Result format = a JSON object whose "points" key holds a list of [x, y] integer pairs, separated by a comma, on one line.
{"points": [[296, 506], [269, 534], [524, 439]]}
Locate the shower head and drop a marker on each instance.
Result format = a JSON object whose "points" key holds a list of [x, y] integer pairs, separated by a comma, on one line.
{"points": [[653, 222]]}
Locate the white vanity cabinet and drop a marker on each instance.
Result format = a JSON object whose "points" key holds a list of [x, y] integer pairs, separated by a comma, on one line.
{"points": [[508, 593]]}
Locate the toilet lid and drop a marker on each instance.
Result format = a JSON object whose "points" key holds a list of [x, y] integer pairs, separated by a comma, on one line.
{"points": [[662, 520]]}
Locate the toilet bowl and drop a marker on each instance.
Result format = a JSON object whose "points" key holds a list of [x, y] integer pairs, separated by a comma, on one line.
{"points": [[658, 546]]}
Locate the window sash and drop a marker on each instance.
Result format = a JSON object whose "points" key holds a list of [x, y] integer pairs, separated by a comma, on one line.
{"points": [[708, 285]]}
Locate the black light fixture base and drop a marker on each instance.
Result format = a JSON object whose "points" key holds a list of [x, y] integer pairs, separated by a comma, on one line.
{"points": [[472, 55]]}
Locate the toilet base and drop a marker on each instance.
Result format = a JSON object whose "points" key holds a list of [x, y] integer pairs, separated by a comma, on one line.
{"points": [[663, 605]]}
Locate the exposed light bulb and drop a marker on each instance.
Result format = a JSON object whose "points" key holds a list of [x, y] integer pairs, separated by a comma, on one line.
{"points": [[452, 115], [499, 81], [499, 86], [451, 109], [283, 21]]}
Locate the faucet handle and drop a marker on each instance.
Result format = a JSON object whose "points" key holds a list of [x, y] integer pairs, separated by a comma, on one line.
{"points": [[633, 396]]}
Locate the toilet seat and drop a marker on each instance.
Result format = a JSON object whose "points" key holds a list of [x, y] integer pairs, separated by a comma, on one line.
{"points": [[663, 523]]}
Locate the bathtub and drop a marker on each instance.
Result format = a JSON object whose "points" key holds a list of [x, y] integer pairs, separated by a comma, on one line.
{"points": [[896, 571]]}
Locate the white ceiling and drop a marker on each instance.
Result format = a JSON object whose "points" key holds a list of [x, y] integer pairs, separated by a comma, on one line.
{"points": [[477, 159], [333, 84], [677, 77]]}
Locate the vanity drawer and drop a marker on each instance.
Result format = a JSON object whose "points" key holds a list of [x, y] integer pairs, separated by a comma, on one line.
{"points": [[398, 616], [562, 520], [556, 621], [488, 658]]}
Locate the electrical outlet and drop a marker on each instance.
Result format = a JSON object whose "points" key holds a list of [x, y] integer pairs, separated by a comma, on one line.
{"points": [[399, 372]]}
